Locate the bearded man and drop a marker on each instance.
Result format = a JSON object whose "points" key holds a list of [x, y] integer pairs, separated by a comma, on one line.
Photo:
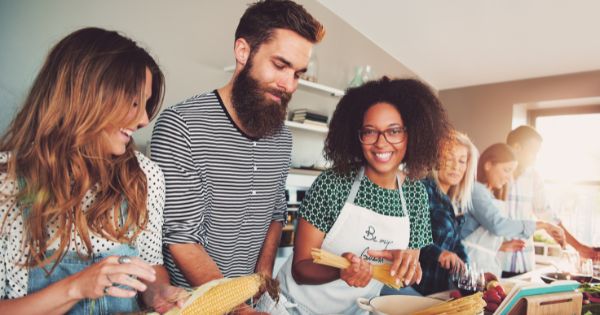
{"points": [[225, 154]]}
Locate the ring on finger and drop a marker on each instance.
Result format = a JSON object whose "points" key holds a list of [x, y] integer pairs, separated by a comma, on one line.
{"points": [[124, 259]]}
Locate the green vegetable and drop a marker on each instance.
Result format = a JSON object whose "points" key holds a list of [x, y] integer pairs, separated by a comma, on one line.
{"points": [[590, 288]]}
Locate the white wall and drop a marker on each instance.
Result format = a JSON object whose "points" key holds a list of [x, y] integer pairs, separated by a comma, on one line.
{"points": [[192, 41]]}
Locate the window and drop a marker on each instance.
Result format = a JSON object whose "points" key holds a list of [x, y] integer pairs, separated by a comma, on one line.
{"points": [[571, 147], [569, 161]]}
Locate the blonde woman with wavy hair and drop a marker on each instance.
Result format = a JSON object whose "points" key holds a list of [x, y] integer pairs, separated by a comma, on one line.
{"points": [[449, 186], [454, 154], [81, 209]]}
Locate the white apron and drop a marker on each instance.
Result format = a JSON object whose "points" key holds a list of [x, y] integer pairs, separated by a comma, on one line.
{"points": [[356, 230], [482, 246], [524, 260]]}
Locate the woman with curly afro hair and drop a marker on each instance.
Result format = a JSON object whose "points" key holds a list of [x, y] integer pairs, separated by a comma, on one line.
{"points": [[370, 206]]}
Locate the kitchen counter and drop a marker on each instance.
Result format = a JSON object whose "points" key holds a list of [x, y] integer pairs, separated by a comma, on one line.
{"points": [[533, 276]]}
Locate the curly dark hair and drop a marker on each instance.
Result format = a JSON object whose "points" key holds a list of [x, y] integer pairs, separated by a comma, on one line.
{"points": [[423, 115]]}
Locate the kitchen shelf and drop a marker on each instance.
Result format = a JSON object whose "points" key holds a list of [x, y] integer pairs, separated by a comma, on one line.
{"points": [[321, 87], [308, 84], [315, 128]]}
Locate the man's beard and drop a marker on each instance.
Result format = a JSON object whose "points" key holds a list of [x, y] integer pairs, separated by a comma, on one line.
{"points": [[259, 115]]}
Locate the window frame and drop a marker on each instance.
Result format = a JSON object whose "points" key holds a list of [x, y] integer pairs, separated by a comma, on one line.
{"points": [[534, 114]]}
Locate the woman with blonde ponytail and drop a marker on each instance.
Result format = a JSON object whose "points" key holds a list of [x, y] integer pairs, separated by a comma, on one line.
{"points": [[80, 209]]}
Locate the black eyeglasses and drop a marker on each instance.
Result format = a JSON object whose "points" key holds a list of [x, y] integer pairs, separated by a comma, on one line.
{"points": [[393, 135]]}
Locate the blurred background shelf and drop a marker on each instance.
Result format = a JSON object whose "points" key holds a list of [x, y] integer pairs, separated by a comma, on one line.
{"points": [[315, 128], [321, 87]]}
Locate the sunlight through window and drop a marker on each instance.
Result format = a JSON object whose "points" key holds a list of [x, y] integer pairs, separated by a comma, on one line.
{"points": [[571, 148], [569, 160]]}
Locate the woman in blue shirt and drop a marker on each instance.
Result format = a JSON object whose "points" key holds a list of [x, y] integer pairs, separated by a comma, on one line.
{"points": [[486, 224]]}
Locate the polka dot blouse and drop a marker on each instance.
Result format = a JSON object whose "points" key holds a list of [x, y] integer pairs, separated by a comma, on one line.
{"points": [[14, 277], [328, 193]]}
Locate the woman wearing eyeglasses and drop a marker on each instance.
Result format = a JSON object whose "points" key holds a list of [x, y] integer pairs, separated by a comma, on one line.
{"points": [[367, 207]]}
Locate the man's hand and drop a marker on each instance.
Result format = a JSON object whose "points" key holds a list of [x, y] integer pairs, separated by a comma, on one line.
{"points": [[244, 309], [161, 298], [557, 233]]}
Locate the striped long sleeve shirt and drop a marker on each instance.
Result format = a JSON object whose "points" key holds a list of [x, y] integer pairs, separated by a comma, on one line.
{"points": [[223, 188]]}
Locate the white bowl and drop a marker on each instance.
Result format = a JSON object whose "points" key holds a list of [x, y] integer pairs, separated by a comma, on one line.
{"points": [[396, 304]]}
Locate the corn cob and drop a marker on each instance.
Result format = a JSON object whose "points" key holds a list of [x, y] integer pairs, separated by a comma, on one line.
{"points": [[224, 295], [380, 272]]}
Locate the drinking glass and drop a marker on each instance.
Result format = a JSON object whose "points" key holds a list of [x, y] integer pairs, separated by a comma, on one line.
{"points": [[455, 273], [586, 269], [479, 281], [470, 280], [569, 261]]}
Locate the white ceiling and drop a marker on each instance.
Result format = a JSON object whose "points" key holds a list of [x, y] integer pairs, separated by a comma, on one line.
{"points": [[461, 43]]}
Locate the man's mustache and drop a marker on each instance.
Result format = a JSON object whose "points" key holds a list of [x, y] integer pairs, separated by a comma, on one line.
{"points": [[282, 95]]}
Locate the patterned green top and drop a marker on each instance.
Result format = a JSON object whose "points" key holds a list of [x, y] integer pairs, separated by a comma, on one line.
{"points": [[328, 193]]}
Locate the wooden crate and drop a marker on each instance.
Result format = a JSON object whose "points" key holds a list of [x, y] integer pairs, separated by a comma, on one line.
{"points": [[565, 303]]}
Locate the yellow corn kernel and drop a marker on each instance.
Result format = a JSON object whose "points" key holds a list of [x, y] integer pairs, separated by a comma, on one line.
{"points": [[225, 296]]}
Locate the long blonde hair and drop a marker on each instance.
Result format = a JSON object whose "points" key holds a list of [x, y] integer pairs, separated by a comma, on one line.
{"points": [[88, 82], [460, 194]]}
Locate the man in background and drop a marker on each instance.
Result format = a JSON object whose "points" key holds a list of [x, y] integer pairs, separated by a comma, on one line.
{"points": [[527, 200]]}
